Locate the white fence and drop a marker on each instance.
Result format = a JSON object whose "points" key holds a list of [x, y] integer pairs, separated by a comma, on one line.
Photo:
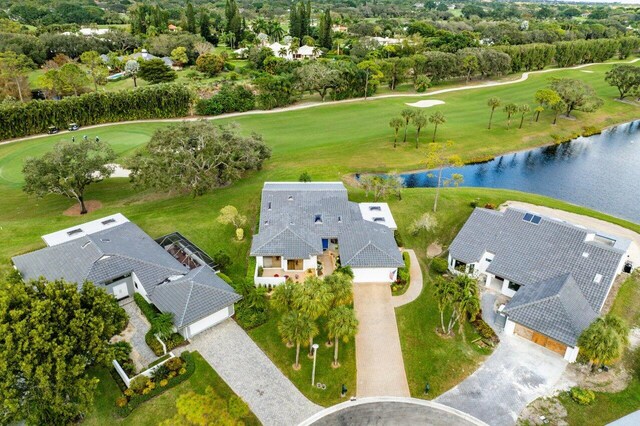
{"points": [[148, 372]]}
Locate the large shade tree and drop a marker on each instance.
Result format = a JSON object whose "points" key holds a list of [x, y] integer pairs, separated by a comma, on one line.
{"points": [[576, 94], [156, 71], [51, 334], [196, 157], [69, 169], [604, 340], [625, 78]]}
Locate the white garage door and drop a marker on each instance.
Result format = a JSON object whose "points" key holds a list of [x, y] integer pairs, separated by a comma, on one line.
{"points": [[120, 291], [374, 275], [210, 321]]}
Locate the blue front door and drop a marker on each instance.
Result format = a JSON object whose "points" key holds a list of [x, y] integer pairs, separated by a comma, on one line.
{"points": [[325, 243]]}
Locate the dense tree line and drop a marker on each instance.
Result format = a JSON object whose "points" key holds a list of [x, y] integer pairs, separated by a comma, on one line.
{"points": [[161, 101]]}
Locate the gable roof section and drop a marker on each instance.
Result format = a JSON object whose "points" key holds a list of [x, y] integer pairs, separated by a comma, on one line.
{"points": [[295, 217], [194, 296], [528, 253], [555, 307]]}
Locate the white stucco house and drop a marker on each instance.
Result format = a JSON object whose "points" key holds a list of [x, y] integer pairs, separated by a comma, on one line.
{"points": [[557, 275], [308, 229], [284, 51], [116, 255]]}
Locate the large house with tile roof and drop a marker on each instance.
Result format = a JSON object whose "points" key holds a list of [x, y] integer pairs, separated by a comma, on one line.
{"points": [[118, 256], [310, 228], [557, 275]]}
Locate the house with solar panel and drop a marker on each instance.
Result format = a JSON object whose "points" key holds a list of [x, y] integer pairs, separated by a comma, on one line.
{"points": [[116, 255], [311, 228], [557, 275]]}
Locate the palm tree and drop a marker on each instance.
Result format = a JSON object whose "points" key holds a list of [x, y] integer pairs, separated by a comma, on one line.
{"points": [[260, 26], [282, 297], [396, 123], [296, 328], [419, 120], [341, 324], [162, 325], [312, 299], [466, 302], [604, 340], [275, 30], [493, 103], [538, 110], [407, 115], [510, 109], [523, 109], [436, 118], [443, 292], [282, 52], [340, 289]]}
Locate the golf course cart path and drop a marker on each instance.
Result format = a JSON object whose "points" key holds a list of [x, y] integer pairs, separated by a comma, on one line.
{"points": [[379, 362], [518, 372], [252, 375], [306, 105], [415, 282]]}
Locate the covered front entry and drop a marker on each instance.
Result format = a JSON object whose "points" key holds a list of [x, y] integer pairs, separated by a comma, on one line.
{"points": [[540, 339]]}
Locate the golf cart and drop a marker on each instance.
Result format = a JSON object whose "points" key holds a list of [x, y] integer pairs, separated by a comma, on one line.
{"points": [[73, 126], [52, 130]]}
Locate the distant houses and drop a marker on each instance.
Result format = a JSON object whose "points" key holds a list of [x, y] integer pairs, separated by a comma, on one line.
{"points": [[285, 51]]}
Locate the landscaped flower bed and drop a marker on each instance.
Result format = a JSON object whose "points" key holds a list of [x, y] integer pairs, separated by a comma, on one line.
{"points": [[150, 312], [143, 388]]}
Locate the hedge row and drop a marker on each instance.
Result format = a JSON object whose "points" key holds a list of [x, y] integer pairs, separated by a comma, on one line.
{"points": [[158, 101], [140, 399]]}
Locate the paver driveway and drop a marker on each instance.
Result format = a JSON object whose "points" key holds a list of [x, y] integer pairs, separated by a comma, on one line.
{"points": [[378, 353], [517, 372], [252, 375]]}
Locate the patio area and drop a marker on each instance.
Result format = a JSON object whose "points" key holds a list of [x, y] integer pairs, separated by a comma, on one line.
{"points": [[328, 261], [295, 276]]}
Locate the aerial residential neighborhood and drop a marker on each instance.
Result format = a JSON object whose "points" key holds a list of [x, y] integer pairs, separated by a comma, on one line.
{"points": [[334, 212]]}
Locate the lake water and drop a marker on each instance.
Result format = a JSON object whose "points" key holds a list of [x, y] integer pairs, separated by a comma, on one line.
{"points": [[601, 172]]}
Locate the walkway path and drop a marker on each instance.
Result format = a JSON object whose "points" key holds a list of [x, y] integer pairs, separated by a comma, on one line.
{"points": [[380, 367], [252, 375], [306, 105], [141, 354], [518, 372], [415, 283]]}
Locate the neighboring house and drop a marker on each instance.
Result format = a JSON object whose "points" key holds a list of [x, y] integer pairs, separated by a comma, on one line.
{"points": [[308, 229], [284, 51], [88, 32], [387, 41], [144, 55], [119, 257], [558, 275]]}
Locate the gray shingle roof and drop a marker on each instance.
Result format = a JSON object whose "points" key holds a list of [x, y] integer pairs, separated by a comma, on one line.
{"points": [[121, 250], [196, 295], [555, 307], [527, 254], [295, 217]]}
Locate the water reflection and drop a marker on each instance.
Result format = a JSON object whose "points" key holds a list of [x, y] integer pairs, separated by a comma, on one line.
{"points": [[599, 171]]}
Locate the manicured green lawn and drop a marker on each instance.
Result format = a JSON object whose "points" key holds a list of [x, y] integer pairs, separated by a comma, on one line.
{"points": [[267, 337], [329, 142], [161, 407]]}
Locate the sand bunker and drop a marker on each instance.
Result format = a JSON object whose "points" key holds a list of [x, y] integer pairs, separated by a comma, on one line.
{"points": [[425, 104]]}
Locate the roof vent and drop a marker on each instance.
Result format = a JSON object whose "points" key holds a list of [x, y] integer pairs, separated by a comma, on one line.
{"points": [[86, 244], [105, 240], [269, 207], [585, 254], [108, 221], [339, 219], [597, 279], [290, 198], [266, 222], [74, 231], [318, 219]]}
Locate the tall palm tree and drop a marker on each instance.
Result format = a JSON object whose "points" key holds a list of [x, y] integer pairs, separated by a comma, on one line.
{"points": [[341, 324], [419, 120], [523, 109], [296, 328], [467, 302], [162, 325], [282, 52], [396, 123], [443, 292], [436, 118], [493, 103], [538, 110], [282, 297], [275, 30], [312, 299], [260, 26], [407, 115], [510, 109], [339, 286], [604, 340]]}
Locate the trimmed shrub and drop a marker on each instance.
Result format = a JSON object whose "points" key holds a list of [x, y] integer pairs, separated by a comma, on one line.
{"points": [[160, 373], [153, 343], [485, 330], [149, 311], [582, 396], [174, 364], [230, 98], [122, 401], [398, 237], [139, 384], [237, 407], [160, 101], [163, 383], [439, 265]]}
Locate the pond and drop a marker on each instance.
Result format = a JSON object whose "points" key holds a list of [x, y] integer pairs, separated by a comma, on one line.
{"points": [[601, 172]]}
